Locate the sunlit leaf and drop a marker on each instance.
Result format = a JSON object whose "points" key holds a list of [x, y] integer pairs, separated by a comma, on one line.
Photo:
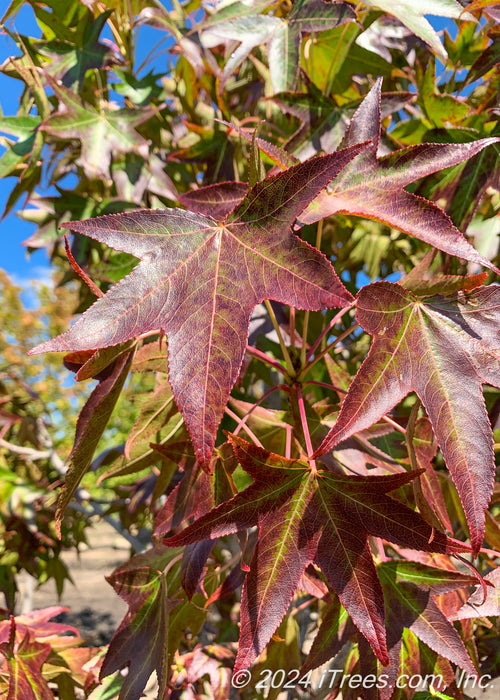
{"points": [[199, 281], [303, 517], [443, 348]]}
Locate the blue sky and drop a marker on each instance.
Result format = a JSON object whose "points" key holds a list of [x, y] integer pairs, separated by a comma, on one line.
{"points": [[13, 230]]}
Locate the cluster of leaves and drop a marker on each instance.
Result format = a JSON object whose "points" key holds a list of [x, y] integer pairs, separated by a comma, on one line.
{"points": [[40, 659], [221, 255], [35, 413]]}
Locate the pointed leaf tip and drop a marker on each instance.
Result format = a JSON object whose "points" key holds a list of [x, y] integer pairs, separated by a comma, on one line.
{"points": [[373, 187], [187, 285], [304, 518], [444, 349]]}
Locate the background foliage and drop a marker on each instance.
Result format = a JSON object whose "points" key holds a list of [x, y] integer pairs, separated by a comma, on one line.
{"points": [[232, 93]]}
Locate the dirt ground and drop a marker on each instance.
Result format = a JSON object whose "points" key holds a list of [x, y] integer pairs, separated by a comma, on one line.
{"points": [[95, 609]]}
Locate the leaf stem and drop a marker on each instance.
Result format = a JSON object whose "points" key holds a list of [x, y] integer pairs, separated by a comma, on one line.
{"points": [[386, 419], [265, 358], [410, 432], [326, 386], [81, 273], [324, 352], [249, 432], [395, 425], [305, 427], [288, 441], [332, 323], [292, 326], [290, 368], [172, 563], [305, 327], [243, 420], [303, 349]]}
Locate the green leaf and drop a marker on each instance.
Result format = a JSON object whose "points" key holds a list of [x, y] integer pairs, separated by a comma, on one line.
{"points": [[101, 132], [22, 126], [282, 36], [441, 110], [411, 14], [70, 63]]}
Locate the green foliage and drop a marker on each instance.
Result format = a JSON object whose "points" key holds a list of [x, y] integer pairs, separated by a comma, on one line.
{"points": [[231, 196]]}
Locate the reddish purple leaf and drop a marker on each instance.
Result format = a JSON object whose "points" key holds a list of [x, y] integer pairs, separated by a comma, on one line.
{"points": [[24, 660], [443, 348], [305, 517], [409, 588], [215, 200], [476, 606], [39, 623], [193, 495], [193, 563], [91, 424], [198, 282], [202, 662], [141, 641], [373, 187], [425, 447]]}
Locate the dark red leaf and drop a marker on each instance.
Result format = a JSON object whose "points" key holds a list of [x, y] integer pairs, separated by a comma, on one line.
{"points": [[305, 517], [198, 282], [373, 187], [91, 424], [443, 348]]}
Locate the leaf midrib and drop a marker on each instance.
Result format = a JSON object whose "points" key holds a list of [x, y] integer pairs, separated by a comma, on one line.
{"points": [[296, 513]]}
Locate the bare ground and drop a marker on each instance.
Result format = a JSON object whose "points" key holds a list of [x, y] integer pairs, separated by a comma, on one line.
{"points": [[95, 609]]}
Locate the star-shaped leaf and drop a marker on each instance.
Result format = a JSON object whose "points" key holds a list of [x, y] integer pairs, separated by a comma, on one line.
{"points": [[443, 348], [373, 187], [71, 61], [307, 516], [198, 281], [282, 36], [101, 131], [24, 660]]}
